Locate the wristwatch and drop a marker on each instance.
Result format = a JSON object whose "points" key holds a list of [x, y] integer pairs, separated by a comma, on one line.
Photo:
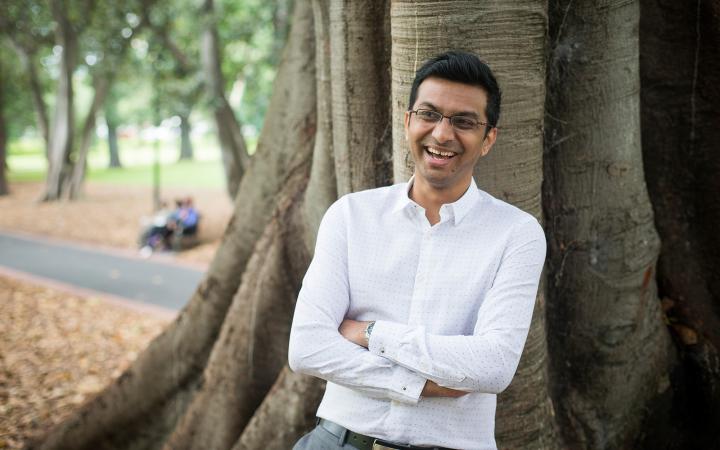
{"points": [[368, 331]]}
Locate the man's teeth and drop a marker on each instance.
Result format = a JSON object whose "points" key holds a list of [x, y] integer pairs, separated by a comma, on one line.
{"points": [[438, 152]]}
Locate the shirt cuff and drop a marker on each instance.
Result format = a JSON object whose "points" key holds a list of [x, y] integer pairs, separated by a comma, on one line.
{"points": [[406, 386], [386, 338]]}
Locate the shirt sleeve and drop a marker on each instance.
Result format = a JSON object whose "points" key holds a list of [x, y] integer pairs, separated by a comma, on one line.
{"points": [[316, 346], [486, 360]]}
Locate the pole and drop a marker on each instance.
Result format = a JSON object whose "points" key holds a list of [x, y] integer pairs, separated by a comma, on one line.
{"points": [[156, 152]]}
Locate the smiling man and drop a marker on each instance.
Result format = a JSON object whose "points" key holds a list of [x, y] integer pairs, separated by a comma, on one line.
{"points": [[418, 300]]}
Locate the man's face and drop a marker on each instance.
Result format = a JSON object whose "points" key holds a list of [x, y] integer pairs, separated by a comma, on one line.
{"points": [[426, 139]]}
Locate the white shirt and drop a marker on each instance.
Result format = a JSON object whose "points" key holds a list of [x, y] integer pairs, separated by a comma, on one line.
{"points": [[452, 304]]}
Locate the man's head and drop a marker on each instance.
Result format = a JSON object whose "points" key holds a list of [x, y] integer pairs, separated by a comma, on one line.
{"points": [[456, 86], [465, 68]]}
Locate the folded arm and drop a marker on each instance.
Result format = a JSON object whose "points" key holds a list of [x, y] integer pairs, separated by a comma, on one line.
{"points": [[486, 360], [316, 346]]}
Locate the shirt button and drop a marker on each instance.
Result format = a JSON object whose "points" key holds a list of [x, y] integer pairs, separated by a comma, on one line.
{"points": [[404, 388], [382, 350]]}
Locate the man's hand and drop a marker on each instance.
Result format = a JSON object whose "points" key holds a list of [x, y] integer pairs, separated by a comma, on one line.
{"points": [[354, 331], [431, 389]]}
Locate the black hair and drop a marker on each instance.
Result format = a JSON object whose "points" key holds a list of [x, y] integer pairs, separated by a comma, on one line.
{"points": [[463, 67]]}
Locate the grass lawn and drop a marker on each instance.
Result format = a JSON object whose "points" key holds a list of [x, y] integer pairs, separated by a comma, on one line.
{"points": [[26, 162]]}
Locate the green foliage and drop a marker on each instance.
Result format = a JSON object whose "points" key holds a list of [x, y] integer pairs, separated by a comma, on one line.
{"points": [[17, 106], [129, 41], [247, 32]]}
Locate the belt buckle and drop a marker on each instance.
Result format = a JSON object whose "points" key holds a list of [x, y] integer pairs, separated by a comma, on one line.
{"points": [[379, 444]]}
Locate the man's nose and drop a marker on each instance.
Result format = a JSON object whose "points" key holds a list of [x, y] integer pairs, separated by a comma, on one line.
{"points": [[443, 130]]}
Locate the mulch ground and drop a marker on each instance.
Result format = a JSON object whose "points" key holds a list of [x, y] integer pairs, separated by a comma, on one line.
{"points": [[58, 349]]}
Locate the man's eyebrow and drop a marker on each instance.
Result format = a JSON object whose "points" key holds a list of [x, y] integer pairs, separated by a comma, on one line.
{"points": [[460, 113]]}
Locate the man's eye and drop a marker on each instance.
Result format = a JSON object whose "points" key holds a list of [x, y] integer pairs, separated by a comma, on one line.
{"points": [[427, 115], [464, 123]]}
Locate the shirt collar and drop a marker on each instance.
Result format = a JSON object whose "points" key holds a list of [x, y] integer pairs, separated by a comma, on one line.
{"points": [[459, 209]]}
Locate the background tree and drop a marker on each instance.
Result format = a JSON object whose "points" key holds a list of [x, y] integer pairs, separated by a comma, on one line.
{"points": [[232, 143], [3, 132], [680, 68], [180, 82], [105, 45], [27, 26], [603, 244], [111, 120], [60, 139]]}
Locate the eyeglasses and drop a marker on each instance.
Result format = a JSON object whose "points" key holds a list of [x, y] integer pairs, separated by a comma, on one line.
{"points": [[459, 122]]}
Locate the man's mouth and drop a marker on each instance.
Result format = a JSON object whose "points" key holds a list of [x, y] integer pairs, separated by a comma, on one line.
{"points": [[439, 154]]}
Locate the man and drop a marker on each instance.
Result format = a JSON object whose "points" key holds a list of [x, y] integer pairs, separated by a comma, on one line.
{"points": [[418, 300]]}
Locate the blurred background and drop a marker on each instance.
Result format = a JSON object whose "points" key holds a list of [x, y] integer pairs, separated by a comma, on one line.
{"points": [[109, 113]]}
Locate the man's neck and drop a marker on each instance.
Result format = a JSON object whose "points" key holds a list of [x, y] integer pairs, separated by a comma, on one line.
{"points": [[432, 198]]}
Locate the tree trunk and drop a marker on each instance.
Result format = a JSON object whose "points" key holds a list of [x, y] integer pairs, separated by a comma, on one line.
{"points": [[3, 135], [102, 86], [27, 58], [337, 29], [232, 143], [603, 245], [281, 24], [512, 170], [112, 137], [61, 134], [292, 401], [321, 187], [186, 148], [361, 108], [680, 136]]}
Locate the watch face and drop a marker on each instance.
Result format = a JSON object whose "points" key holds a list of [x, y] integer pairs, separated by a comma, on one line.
{"points": [[368, 329]]}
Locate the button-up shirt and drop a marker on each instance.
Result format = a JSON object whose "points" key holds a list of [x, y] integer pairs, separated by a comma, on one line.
{"points": [[452, 304]]}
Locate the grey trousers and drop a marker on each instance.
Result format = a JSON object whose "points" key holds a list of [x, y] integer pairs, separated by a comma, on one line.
{"points": [[321, 439]]}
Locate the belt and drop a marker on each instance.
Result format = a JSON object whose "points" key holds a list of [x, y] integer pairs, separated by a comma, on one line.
{"points": [[362, 442]]}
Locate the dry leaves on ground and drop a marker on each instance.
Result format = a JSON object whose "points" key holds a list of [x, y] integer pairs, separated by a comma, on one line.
{"points": [[57, 350]]}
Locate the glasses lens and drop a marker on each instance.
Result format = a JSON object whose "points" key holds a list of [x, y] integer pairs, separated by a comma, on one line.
{"points": [[464, 122], [428, 115]]}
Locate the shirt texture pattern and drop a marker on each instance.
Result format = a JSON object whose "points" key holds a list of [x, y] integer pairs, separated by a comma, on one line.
{"points": [[452, 304]]}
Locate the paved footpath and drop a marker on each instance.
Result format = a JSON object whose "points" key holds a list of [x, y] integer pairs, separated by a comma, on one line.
{"points": [[124, 277]]}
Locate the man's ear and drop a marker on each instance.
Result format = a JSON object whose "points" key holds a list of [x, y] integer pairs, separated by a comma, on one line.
{"points": [[489, 140], [407, 125]]}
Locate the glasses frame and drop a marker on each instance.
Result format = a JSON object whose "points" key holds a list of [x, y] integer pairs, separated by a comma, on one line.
{"points": [[442, 116]]}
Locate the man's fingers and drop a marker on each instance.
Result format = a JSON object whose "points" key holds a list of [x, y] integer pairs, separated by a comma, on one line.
{"points": [[432, 389]]}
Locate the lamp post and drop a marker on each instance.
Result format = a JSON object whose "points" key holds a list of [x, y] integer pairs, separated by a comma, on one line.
{"points": [[156, 151]]}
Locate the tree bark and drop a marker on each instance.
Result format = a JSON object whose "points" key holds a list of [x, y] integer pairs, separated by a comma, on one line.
{"points": [[680, 136], [321, 187], [251, 347], [186, 147], [512, 171], [232, 143], [61, 134], [361, 109], [603, 304], [292, 402]]}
